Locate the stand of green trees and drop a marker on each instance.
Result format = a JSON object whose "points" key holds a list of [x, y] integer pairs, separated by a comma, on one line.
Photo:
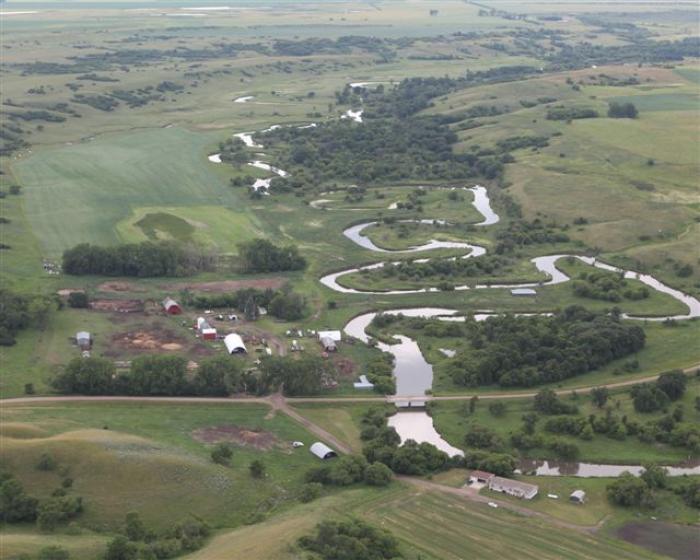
{"points": [[527, 351], [143, 260], [260, 255]]}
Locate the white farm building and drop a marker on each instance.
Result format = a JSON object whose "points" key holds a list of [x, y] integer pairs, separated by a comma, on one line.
{"points": [[322, 451], [234, 344], [513, 487]]}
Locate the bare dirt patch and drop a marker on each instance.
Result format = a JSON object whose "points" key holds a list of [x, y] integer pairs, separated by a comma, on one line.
{"points": [[68, 291], [148, 340], [227, 285], [238, 435], [345, 366], [117, 305], [118, 287], [677, 541]]}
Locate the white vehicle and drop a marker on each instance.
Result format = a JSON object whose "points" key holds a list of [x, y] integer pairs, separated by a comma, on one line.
{"points": [[493, 504], [296, 444]]}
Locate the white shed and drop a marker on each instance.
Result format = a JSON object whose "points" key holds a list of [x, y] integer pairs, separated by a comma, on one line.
{"points": [[234, 344], [335, 336], [578, 496], [202, 324], [363, 383], [322, 451]]}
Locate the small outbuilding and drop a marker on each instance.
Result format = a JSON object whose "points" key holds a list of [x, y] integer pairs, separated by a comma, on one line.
{"points": [[481, 477], [523, 292], [322, 451], [328, 344], [578, 497], [171, 307], [335, 336], [84, 340], [363, 383], [513, 487], [208, 333], [234, 344], [202, 324]]}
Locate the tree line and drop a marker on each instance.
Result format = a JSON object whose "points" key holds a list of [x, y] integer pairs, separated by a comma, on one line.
{"points": [[261, 255], [19, 312], [143, 260], [162, 375]]}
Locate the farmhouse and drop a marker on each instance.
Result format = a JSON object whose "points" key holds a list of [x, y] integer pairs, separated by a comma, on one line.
{"points": [[328, 344], [523, 292], [84, 340], [578, 496], [171, 307], [481, 477], [234, 344], [513, 487], [322, 451]]}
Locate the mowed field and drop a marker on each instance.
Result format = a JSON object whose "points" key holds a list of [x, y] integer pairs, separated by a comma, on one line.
{"points": [[430, 526]]}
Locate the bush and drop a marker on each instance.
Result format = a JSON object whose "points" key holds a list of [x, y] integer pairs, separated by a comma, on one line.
{"points": [[47, 462], [497, 408], [310, 491], [257, 468], [222, 454], [377, 474], [78, 300], [673, 383], [86, 376], [120, 548]]}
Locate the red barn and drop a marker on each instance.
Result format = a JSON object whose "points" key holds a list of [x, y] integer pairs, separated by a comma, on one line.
{"points": [[171, 306]]}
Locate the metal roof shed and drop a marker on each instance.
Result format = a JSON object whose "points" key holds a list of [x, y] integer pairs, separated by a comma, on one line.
{"points": [[322, 451], [234, 344]]}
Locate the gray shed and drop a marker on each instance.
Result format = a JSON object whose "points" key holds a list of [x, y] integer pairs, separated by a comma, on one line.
{"points": [[322, 451]]}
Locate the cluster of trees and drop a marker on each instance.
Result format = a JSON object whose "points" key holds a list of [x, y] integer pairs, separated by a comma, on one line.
{"points": [[631, 491], [350, 540], [234, 151], [607, 287], [16, 506], [283, 304], [144, 260], [622, 110], [520, 233], [261, 255], [348, 470], [380, 372], [140, 542], [162, 375], [650, 397], [562, 113], [379, 150], [528, 351], [19, 312], [447, 270]]}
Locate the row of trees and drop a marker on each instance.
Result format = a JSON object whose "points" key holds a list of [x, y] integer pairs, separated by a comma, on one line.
{"points": [[162, 375], [143, 260], [528, 351]]}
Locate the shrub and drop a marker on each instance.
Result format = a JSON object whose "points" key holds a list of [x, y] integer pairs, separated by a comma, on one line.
{"points": [[78, 300], [222, 454]]}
